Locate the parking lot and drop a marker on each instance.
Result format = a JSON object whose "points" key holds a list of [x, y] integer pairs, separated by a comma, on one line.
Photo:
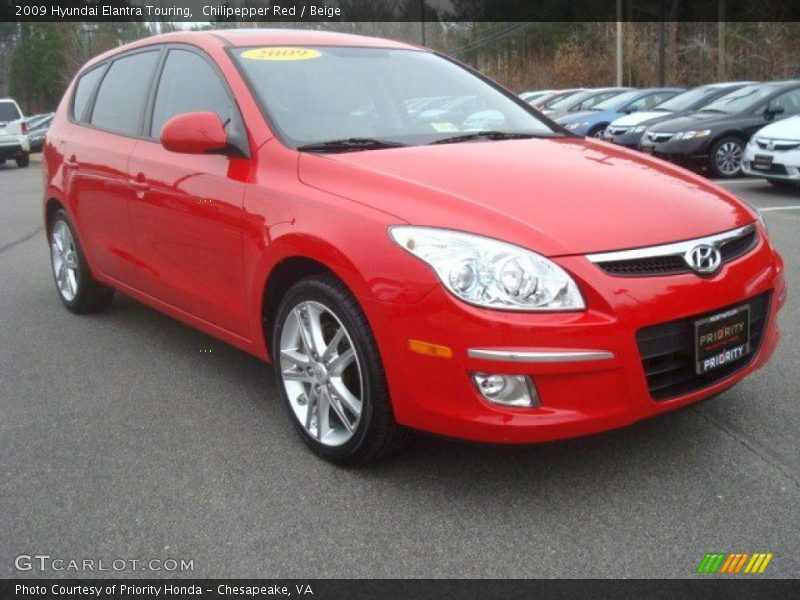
{"points": [[129, 435]]}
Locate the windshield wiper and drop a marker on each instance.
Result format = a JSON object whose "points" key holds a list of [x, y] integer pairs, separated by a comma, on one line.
{"points": [[349, 145], [484, 135]]}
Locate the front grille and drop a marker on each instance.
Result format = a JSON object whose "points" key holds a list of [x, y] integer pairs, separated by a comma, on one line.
{"points": [[777, 145], [617, 130], [674, 264], [667, 352], [775, 169], [660, 137]]}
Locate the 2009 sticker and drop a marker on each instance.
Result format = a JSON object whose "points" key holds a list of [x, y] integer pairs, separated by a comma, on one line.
{"points": [[280, 53]]}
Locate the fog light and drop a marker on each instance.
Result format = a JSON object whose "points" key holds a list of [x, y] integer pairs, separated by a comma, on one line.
{"points": [[508, 390]]}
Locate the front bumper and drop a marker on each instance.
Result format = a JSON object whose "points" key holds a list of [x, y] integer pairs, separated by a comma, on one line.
{"points": [[687, 153], [785, 164], [628, 140], [579, 396]]}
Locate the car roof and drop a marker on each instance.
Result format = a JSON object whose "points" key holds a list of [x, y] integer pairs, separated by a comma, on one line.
{"points": [[259, 37]]}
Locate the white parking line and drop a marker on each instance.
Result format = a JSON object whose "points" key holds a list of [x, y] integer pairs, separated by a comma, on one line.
{"points": [[771, 208]]}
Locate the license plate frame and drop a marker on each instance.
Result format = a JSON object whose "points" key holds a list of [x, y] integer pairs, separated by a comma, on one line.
{"points": [[762, 162], [714, 345]]}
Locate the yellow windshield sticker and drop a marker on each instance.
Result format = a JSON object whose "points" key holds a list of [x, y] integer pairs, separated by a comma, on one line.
{"points": [[444, 127], [287, 53]]}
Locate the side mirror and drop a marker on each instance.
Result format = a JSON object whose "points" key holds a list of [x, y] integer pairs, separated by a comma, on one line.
{"points": [[195, 133]]}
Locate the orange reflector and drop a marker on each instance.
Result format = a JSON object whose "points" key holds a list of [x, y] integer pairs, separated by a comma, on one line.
{"points": [[429, 349]]}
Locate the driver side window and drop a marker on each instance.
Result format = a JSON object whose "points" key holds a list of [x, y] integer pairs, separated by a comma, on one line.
{"points": [[188, 84]]}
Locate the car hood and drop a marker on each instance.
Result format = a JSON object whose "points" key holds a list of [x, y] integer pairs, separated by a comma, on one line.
{"points": [[703, 120], [787, 129], [638, 117], [555, 196], [584, 115]]}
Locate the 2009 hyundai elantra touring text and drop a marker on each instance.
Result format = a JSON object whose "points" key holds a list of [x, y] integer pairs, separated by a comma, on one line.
{"points": [[401, 268]]}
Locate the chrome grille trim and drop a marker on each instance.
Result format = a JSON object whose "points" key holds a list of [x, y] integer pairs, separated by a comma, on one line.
{"points": [[677, 249]]}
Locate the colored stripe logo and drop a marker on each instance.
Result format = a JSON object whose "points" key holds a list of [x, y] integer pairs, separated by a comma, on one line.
{"points": [[734, 562]]}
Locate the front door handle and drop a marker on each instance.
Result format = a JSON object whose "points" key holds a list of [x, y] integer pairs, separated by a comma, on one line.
{"points": [[140, 183]]}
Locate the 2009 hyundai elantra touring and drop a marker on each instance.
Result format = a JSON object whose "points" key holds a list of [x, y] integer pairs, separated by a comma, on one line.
{"points": [[286, 192]]}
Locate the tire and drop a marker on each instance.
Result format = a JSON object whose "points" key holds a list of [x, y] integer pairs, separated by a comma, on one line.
{"points": [[344, 379], [725, 153], [77, 289], [598, 132], [784, 185], [23, 160]]}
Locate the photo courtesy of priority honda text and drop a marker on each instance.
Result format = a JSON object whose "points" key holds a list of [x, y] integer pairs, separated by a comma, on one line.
{"points": [[409, 244]]}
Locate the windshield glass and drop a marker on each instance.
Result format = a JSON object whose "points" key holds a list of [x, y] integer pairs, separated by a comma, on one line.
{"points": [[616, 100], [741, 99], [8, 112], [685, 100], [401, 96]]}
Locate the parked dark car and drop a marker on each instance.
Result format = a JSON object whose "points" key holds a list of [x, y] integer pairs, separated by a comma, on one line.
{"points": [[582, 101], [715, 136], [37, 130], [628, 130]]}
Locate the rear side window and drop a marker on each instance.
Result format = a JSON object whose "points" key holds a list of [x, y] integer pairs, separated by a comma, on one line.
{"points": [[83, 91], [188, 84], [123, 92], [9, 112]]}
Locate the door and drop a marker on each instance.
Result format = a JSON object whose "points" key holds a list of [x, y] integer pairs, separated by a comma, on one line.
{"points": [[187, 209], [96, 159]]}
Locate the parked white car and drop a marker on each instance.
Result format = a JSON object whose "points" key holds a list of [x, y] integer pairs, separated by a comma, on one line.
{"points": [[13, 134], [774, 153]]}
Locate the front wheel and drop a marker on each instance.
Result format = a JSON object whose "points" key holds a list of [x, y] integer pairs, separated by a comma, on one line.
{"points": [[598, 132], [330, 373], [78, 290], [725, 158]]}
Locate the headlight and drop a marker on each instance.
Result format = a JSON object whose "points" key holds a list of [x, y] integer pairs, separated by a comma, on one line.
{"points": [[578, 125], [638, 129], [490, 273], [692, 133]]}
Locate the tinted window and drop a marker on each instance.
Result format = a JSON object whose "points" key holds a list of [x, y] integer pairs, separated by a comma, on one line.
{"points": [[741, 99], [9, 112], [789, 102], [83, 91], [188, 84], [122, 94]]}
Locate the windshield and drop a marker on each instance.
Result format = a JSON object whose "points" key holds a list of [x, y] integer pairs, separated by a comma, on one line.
{"points": [[685, 100], [405, 97], [740, 100], [8, 112], [617, 100]]}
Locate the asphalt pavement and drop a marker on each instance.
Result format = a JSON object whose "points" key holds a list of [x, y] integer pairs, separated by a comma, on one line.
{"points": [[130, 436]]}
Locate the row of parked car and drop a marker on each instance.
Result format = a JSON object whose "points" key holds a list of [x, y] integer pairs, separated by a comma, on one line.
{"points": [[20, 136], [726, 128]]}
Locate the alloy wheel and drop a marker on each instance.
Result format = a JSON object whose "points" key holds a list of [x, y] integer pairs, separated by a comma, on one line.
{"points": [[321, 373], [64, 257], [729, 158]]}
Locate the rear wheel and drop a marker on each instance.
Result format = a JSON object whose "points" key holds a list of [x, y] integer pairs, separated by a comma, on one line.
{"points": [[725, 158], [78, 290], [23, 160], [330, 373]]}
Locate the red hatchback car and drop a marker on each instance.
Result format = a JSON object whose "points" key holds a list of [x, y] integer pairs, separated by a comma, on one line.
{"points": [[338, 206]]}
